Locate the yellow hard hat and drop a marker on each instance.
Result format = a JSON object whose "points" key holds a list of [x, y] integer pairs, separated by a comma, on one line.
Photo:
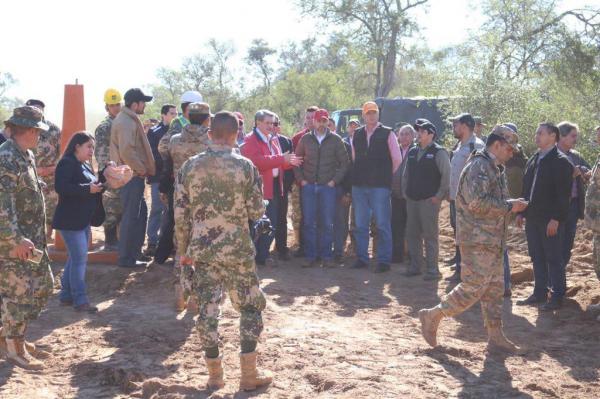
{"points": [[112, 96]]}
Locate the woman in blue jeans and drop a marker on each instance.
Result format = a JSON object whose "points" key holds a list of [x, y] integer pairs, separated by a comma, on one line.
{"points": [[79, 206]]}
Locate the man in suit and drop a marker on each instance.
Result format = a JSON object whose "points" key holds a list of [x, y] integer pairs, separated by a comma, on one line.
{"points": [[547, 186], [288, 181]]}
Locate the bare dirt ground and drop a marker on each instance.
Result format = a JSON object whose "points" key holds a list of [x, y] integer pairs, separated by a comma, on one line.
{"points": [[329, 333]]}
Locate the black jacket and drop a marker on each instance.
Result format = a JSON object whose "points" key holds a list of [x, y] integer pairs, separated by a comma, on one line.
{"points": [[76, 205], [552, 192], [288, 175], [347, 182], [154, 136]]}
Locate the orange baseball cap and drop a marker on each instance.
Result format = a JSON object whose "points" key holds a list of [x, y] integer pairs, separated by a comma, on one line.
{"points": [[369, 106]]}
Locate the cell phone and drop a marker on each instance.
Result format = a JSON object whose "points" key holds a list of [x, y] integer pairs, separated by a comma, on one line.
{"points": [[36, 256]]}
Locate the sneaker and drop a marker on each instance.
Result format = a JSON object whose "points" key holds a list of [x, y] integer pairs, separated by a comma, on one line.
{"points": [[382, 268], [531, 300], [86, 307], [359, 264]]}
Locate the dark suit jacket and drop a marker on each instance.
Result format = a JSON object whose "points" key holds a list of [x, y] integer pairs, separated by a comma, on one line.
{"points": [[288, 176], [552, 192], [76, 205]]}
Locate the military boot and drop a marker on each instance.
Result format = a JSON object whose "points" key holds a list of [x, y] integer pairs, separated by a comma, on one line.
{"points": [[35, 351], [192, 304], [179, 298], [111, 242], [16, 353], [215, 373], [430, 320], [251, 378], [498, 341]]}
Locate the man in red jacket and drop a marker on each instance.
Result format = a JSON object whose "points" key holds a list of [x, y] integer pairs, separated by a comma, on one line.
{"points": [[309, 125], [263, 149]]}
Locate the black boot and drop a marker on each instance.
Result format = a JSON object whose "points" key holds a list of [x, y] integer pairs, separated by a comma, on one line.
{"points": [[111, 242]]}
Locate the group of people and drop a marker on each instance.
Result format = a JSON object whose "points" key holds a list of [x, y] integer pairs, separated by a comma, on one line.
{"points": [[210, 182]]}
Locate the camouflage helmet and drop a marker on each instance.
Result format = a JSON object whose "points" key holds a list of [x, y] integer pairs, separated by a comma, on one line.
{"points": [[28, 116], [507, 134]]}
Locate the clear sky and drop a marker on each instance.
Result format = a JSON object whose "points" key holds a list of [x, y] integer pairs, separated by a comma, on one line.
{"points": [[122, 43]]}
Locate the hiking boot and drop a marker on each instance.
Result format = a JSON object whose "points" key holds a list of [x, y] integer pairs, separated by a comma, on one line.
{"points": [[497, 341], [382, 268], [311, 263], [359, 264], [430, 320], [553, 304], [531, 300], [251, 378], [17, 354], [215, 373], [179, 298], [35, 351], [111, 243]]}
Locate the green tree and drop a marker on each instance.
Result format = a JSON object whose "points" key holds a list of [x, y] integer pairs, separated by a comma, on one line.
{"points": [[258, 55]]}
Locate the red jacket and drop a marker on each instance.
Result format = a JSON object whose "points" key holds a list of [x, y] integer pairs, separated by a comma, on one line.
{"points": [[296, 138], [257, 150]]}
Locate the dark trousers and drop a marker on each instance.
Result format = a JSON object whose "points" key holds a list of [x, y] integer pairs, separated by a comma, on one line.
{"points": [[263, 244], [399, 217], [165, 240], [281, 229], [546, 256], [132, 231], [570, 231], [453, 224]]}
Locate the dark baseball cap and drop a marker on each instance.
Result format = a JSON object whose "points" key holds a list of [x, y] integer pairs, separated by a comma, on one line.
{"points": [[425, 124], [464, 118], [135, 95], [35, 103]]}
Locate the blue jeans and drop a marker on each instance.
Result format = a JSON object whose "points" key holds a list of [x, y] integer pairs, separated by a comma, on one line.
{"points": [[367, 202], [341, 226], [546, 256], [156, 211], [318, 204], [506, 270], [73, 277], [263, 244], [132, 230]]}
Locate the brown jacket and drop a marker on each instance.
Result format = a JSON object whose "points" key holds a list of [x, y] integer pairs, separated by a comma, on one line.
{"points": [[322, 162], [129, 144]]}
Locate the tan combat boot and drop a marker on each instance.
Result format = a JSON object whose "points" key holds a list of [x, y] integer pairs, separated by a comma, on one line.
{"points": [[35, 351], [215, 373], [17, 354], [498, 341], [430, 320], [179, 298], [251, 378]]}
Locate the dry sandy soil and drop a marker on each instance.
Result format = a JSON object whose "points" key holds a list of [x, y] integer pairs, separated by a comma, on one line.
{"points": [[329, 333]]}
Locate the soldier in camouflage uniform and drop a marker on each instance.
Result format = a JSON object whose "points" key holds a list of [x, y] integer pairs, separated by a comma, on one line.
{"points": [[47, 155], [25, 277], [191, 141], [483, 211], [110, 199], [178, 123], [217, 193]]}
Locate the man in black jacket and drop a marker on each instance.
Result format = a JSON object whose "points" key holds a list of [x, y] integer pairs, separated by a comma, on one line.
{"points": [[288, 183], [547, 186], [167, 113]]}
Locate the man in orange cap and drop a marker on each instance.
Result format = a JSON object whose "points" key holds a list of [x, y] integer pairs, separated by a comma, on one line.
{"points": [[376, 156]]}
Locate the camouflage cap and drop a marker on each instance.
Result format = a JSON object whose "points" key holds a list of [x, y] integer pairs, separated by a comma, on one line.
{"points": [[28, 116], [506, 134], [199, 109]]}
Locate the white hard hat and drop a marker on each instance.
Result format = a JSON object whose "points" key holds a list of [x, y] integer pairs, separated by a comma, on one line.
{"points": [[191, 96]]}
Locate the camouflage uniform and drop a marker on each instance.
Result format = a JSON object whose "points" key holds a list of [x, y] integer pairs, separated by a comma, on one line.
{"points": [[110, 199], [47, 154], [175, 127], [592, 213], [482, 218], [191, 141], [216, 193], [24, 285]]}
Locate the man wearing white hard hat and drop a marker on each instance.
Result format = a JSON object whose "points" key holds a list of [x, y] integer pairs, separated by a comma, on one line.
{"points": [[177, 124]]}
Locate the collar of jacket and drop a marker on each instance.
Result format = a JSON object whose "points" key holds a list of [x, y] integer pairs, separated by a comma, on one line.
{"points": [[220, 148], [489, 157], [259, 137], [327, 133], [132, 115], [193, 131]]}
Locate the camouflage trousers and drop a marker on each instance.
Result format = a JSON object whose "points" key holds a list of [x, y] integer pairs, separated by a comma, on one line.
{"points": [[50, 198], [596, 257], [241, 283], [482, 280], [112, 208], [296, 213], [24, 292]]}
